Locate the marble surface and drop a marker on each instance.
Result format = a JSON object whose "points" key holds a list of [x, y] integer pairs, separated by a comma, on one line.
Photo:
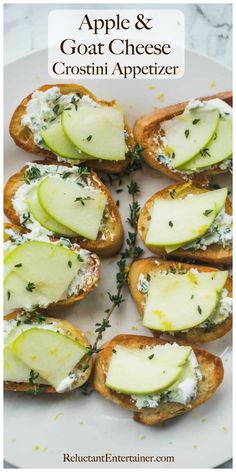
{"points": [[208, 28], [208, 31]]}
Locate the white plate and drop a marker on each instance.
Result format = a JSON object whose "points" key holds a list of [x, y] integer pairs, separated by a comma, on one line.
{"points": [[39, 430]]}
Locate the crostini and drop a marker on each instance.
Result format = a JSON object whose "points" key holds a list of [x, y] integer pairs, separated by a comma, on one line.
{"points": [[66, 201], [189, 140], [156, 379], [44, 354], [41, 271], [67, 122], [187, 222], [190, 302]]}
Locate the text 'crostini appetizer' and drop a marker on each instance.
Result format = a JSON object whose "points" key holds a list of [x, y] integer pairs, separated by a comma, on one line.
{"points": [[156, 379], [44, 354], [191, 302], [190, 140], [41, 271], [65, 201], [67, 122], [188, 222]]}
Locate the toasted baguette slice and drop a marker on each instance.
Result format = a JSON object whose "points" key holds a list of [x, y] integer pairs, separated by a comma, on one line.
{"points": [[147, 127], [93, 264], [23, 136], [71, 331], [153, 266], [108, 242], [210, 365], [214, 254]]}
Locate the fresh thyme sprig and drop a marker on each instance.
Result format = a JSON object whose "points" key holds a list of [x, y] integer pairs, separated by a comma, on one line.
{"points": [[131, 252], [135, 164]]}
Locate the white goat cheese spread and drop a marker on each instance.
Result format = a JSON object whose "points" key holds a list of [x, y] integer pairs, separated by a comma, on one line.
{"points": [[183, 391], [214, 104], [45, 108]]}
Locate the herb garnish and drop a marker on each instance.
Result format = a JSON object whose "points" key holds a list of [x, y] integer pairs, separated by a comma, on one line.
{"points": [[186, 132], [33, 376], [114, 351], [199, 309], [83, 199], [18, 265], [89, 138], [8, 295], [80, 258], [83, 171], [172, 193], [66, 174], [26, 218], [207, 212], [32, 174], [151, 356], [196, 121], [171, 224], [205, 152], [30, 286], [192, 296], [70, 264]]}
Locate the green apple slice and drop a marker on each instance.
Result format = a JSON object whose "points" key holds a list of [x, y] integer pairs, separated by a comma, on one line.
{"points": [[177, 302], [56, 140], [14, 369], [42, 217], [97, 131], [146, 371], [215, 197], [16, 295], [53, 355], [218, 149], [177, 222], [78, 208], [188, 133], [45, 268]]}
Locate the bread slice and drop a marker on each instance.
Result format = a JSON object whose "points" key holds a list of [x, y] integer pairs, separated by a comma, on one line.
{"points": [[211, 368], [83, 370], [155, 266], [109, 240], [24, 138], [214, 254], [146, 129], [93, 265]]}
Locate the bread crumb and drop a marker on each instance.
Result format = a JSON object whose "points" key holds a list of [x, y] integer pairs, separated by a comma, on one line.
{"points": [[212, 84], [161, 97], [57, 416], [152, 87]]}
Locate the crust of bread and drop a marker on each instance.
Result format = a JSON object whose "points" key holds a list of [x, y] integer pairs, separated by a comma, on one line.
{"points": [[214, 254], [146, 128], [194, 335], [103, 247], [23, 137], [211, 367], [73, 332], [93, 264]]}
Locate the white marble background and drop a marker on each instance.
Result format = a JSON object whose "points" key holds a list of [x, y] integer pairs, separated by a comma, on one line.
{"points": [[208, 28]]}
